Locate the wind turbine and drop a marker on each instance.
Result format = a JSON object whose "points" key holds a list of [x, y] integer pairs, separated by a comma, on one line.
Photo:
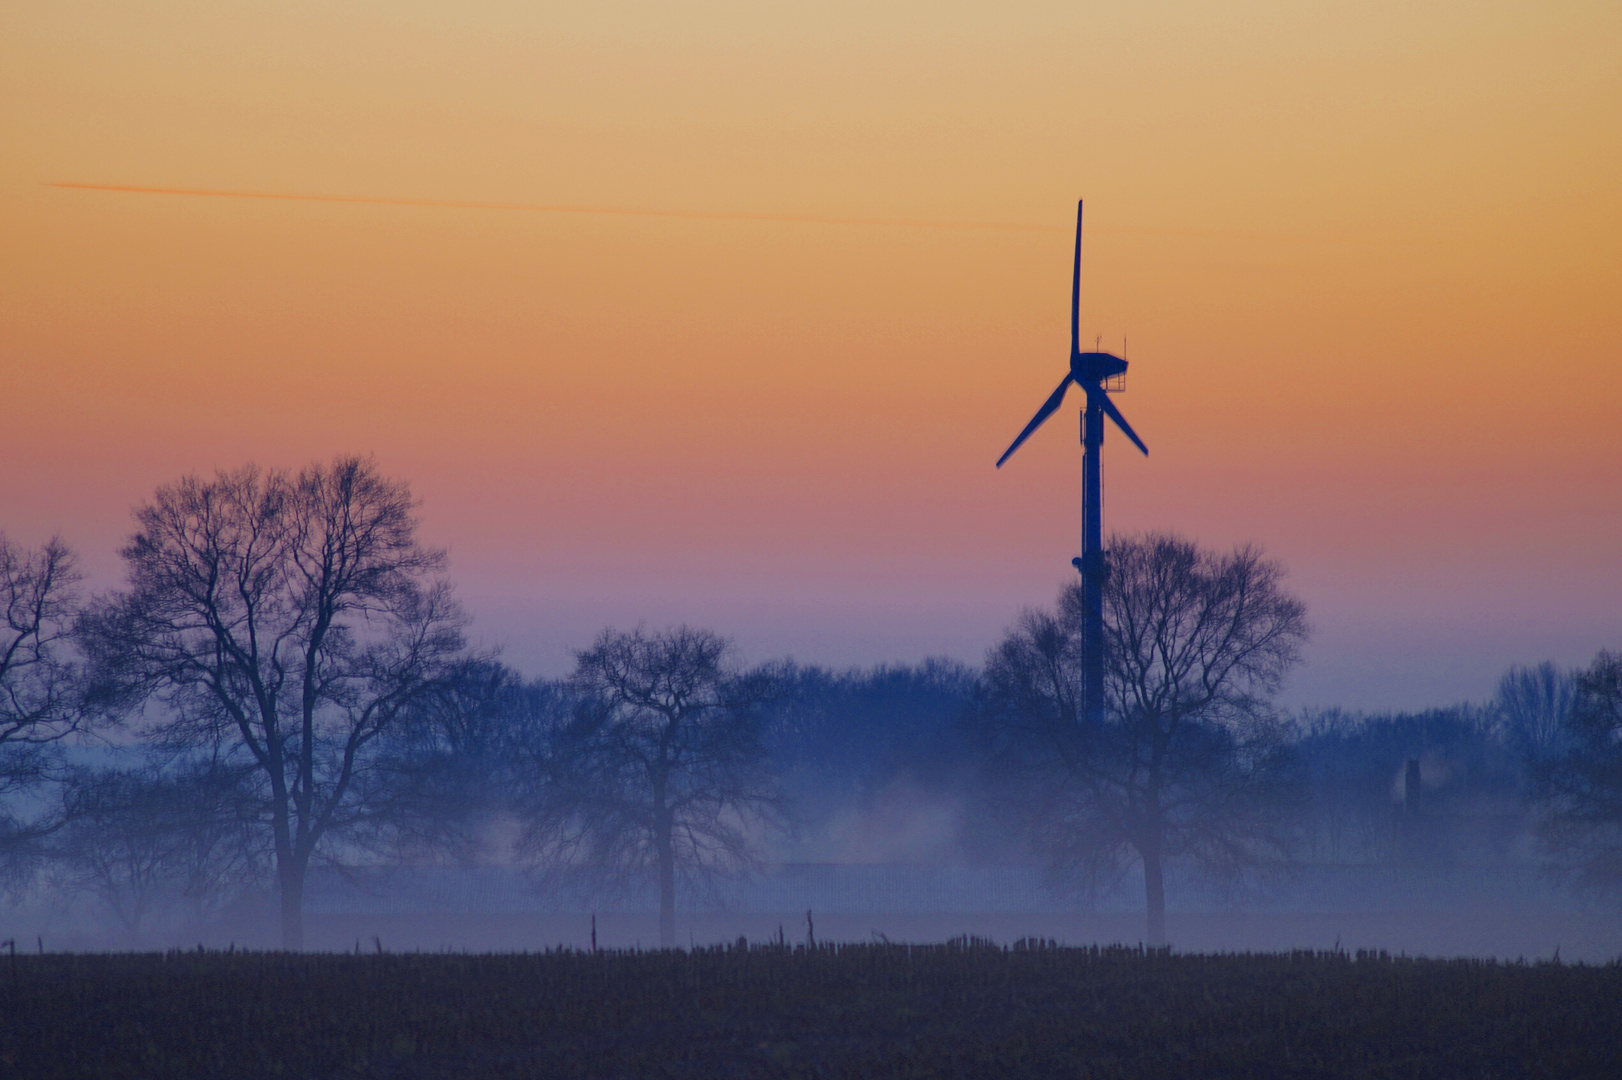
{"points": [[1088, 370]]}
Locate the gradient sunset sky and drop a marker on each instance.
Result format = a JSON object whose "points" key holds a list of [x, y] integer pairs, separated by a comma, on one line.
{"points": [[1367, 258]]}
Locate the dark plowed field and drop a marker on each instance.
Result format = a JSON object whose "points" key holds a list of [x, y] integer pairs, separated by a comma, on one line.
{"points": [[962, 1009]]}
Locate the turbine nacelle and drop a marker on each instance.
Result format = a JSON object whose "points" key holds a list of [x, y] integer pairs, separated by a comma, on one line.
{"points": [[1092, 367]]}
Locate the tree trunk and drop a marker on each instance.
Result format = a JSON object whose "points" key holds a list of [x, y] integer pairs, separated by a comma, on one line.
{"points": [[667, 884], [1154, 889], [292, 889]]}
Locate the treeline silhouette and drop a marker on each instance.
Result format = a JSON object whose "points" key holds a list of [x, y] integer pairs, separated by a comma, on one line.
{"points": [[283, 683]]}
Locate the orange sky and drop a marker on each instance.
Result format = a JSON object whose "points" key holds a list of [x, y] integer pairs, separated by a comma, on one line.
{"points": [[1368, 258]]}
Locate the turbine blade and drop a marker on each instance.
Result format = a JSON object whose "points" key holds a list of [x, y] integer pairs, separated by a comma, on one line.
{"points": [[1052, 403], [1120, 421], [1075, 289]]}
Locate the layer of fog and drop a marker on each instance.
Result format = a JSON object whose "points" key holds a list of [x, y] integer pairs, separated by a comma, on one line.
{"points": [[1420, 841]]}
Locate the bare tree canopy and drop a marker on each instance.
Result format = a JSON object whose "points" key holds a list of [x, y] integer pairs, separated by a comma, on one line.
{"points": [[142, 839], [1190, 762], [40, 697], [39, 590], [662, 770], [285, 620], [448, 768], [1581, 787], [1533, 704]]}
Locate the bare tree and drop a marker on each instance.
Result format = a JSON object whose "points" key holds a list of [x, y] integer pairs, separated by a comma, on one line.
{"points": [[1190, 762], [140, 839], [1580, 788], [661, 771], [1533, 704], [39, 682], [285, 621], [447, 768]]}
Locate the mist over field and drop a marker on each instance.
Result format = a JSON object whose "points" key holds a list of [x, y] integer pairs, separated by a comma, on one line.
{"points": [[888, 803]]}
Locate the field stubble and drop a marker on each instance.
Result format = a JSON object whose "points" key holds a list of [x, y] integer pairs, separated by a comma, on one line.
{"points": [[965, 1008]]}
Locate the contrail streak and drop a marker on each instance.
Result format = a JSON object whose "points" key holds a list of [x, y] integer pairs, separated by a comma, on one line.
{"points": [[627, 211]]}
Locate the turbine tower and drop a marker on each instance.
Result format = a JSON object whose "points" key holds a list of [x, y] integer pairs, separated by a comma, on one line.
{"points": [[1090, 371]]}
